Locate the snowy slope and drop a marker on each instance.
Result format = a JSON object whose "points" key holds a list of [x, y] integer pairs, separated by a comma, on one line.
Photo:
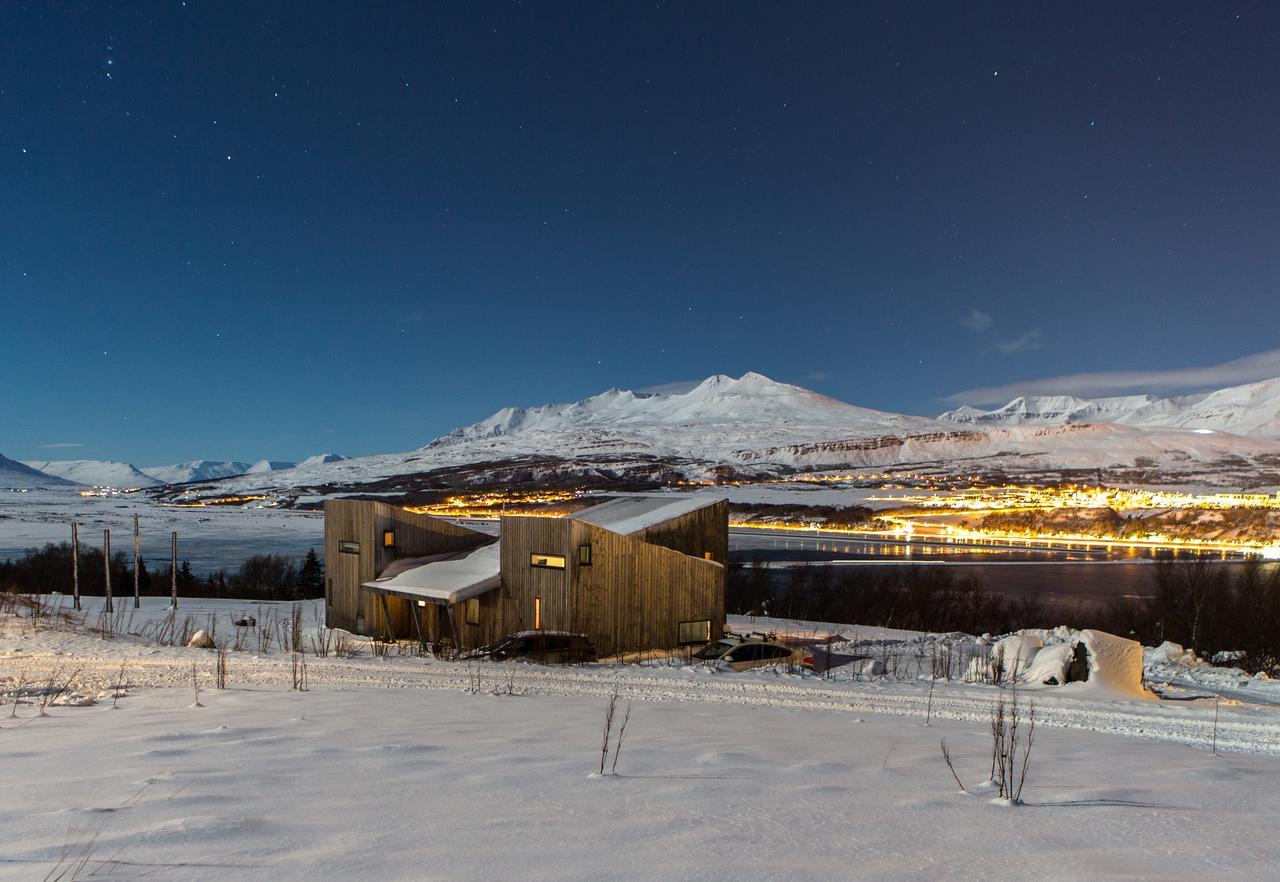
{"points": [[196, 470], [263, 466], [322, 459], [18, 476], [722, 414], [753, 425], [97, 473], [1252, 410]]}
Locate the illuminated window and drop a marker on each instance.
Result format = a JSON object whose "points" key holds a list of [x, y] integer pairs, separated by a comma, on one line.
{"points": [[388, 538], [695, 632], [471, 615], [349, 547], [584, 555], [706, 555], [537, 613], [548, 561]]}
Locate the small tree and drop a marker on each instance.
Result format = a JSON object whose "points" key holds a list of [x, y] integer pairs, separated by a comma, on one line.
{"points": [[311, 576]]}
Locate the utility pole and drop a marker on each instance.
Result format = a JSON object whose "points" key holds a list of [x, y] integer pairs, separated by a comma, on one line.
{"points": [[75, 565], [173, 572], [106, 568], [137, 536]]}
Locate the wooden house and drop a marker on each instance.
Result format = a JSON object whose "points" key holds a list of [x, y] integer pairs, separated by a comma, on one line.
{"points": [[633, 574]]}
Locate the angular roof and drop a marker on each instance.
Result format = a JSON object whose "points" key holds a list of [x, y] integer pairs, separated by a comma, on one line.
{"points": [[451, 579], [632, 514]]}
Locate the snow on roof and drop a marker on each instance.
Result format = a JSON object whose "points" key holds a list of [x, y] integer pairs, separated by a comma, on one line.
{"points": [[454, 579], [631, 514]]}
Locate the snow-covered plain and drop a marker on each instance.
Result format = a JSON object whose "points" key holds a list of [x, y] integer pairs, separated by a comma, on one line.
{"points": [[407, 767], [209, 537]]}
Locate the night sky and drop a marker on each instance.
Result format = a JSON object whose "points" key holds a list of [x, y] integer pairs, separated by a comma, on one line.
{"points": [[270, 229]]}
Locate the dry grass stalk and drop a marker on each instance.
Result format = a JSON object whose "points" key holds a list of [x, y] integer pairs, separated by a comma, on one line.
{"points": [[608, 729], [946, 755]]}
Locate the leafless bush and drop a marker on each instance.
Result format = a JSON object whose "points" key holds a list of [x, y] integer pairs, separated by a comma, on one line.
{"points": [[344, 646], [378, 647], [17, 694], [120, 686], [608, 729], [195, 684], [53, 691], [946, 755], [622, 734], [322, 640], [1011, 744], [220, 667], [297, 640], [266, 634], [299, 671]]}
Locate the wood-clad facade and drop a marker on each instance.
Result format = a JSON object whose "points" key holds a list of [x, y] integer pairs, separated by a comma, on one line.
{"points": [[355, 552], [626, 592]]}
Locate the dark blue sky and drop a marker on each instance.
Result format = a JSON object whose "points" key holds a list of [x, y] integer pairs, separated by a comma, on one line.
{"points": [[244, 230]]}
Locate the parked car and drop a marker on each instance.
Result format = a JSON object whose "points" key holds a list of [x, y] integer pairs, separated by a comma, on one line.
{"points": [[743, 655], [545, 647]]}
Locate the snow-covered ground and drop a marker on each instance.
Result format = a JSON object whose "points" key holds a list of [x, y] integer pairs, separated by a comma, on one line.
{"points": [[412, 767], [210, 537]]}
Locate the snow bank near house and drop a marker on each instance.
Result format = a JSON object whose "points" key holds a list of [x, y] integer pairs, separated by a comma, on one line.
{"points": [[1044, 658], [1115, 665]]}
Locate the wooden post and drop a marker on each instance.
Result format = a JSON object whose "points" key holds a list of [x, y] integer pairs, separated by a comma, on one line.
{"points": [[106, 568], [75, 564], [173, 572], [137, 601]]}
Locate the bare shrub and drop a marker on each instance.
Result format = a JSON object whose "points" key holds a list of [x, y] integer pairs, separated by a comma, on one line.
{"points": [[195, 684], [622, 735], [220, 667], [344, 646], [608, 729], [946, 755], [1011, 743], [299, 671]]}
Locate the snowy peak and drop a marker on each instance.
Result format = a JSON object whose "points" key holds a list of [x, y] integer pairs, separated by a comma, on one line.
{"points": [[749, 404], [322, 459], [1252, 410], [268, 465], [96, 473], [196, 470], [15, 475]]}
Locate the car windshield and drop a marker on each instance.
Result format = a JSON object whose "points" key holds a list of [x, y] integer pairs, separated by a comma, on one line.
{"points": [[715, 650]]}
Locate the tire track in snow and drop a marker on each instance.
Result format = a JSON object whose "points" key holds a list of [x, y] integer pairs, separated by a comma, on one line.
{"points": [[1252, 731]]}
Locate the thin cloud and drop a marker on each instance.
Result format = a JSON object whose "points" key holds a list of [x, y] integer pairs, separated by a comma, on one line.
{"points": [[977, 321], [817, 377], [1250, 369], [679, 387], [59, 445], [1026, 343]]}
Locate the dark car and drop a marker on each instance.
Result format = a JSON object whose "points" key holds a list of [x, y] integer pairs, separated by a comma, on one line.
{"points": [[545, 647]]}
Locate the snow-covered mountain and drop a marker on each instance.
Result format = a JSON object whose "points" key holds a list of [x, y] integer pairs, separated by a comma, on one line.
{"points": [[96, 473], [752, 425], [1251, 410], [720, 415], [322, 459], [15, 475], [263, 466], [196, 470]]}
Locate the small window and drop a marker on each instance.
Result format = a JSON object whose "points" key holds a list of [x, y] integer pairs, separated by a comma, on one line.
{"points": [[706, 555], [695, 632], [347, 547], [537, 613], [547, 561], [471, 615], [584, 555], [388, 538]]}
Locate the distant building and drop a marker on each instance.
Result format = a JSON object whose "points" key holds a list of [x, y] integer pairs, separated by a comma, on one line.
{"points": [[634, 573]]}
